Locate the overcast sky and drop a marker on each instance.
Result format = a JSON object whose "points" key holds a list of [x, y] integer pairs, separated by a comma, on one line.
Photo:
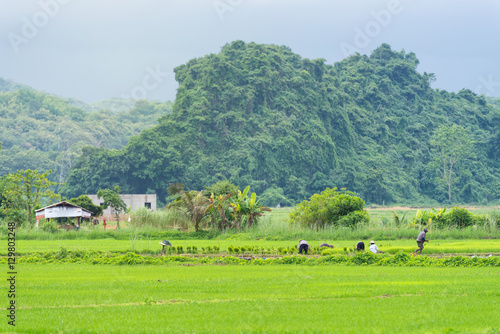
{"points": [[98, 49]]}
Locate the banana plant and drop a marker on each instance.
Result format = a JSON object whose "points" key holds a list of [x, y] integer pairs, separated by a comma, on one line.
{"points": [[246, 210], [437, 216], [219, 209]]}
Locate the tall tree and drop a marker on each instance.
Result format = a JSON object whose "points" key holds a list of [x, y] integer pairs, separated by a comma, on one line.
{"points": [[450, 146], [112, 199], [22, 193], [85, 202]]}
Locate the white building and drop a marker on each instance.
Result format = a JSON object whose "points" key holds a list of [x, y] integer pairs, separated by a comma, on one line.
{"points": [[132, 201]]}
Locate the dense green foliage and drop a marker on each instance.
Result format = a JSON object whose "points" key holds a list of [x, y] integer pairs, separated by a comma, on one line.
{"points": [[44, 132], [450, 145], [21, 193], [459, 217], [112, 199], [330, 207], [220, 206], [85, 202], [456, 217], [262, 116]]}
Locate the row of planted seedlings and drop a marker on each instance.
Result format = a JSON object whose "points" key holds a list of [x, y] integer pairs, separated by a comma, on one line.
{"points": [[193, 250], [249, 250]]}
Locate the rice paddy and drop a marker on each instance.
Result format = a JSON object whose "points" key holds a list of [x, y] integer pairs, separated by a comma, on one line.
{"points": [[76, 298]]}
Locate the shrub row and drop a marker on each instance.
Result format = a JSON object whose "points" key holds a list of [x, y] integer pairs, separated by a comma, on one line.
{"points": [[133, 258], [253, 250]]}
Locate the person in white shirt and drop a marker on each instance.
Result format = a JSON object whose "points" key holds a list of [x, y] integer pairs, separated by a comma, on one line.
{"points": [[373, 248], [420, 241]]}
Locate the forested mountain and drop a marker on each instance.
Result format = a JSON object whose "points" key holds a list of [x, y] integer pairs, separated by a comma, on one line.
{"points": [[44, 132], [289, 127]]}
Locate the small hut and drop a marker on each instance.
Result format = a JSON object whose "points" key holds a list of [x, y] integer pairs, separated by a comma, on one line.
{"points": [[61, 210]]}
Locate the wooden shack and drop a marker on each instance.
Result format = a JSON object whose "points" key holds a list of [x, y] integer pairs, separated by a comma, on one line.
{"points": [[61, 210]]}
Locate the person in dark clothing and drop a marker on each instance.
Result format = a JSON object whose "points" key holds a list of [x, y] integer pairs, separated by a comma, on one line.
{"points": [[360, 246], [420, 241], [303, 247], [325, 245]]}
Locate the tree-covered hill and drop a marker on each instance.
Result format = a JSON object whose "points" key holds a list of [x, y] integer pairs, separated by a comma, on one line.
{"points": [[289, 127], [44, 132]]}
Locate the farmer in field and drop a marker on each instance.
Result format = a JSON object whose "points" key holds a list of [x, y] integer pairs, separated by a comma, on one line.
{"points": [[163, 244], [303, 246], [420, 241], [360, 246], [374, 248], [325, 245]]}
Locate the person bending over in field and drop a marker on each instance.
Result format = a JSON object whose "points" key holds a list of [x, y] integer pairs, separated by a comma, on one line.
{"points": [[373, 248], [325, 245], [360, 246], [303, 246], [420, 241]]}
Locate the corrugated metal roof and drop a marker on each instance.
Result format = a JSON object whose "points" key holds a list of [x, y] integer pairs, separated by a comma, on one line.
{"points": [[64, 203]]}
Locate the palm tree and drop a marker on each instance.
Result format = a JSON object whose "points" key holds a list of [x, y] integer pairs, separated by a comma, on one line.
{"points": [[194, 204], [219, 208]]}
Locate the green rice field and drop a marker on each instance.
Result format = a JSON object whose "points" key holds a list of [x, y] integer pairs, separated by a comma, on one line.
{"points": [[78, 298]]}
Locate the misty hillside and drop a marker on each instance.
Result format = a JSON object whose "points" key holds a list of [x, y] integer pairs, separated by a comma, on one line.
{"points": [[44, 132]]}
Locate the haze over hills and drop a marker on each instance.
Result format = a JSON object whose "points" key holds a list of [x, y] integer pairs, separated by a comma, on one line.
{"points": [[113, 104], [289, 127], [45, 132]]}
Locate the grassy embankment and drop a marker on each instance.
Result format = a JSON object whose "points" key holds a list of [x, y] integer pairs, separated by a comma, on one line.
{"points": [[274, 227]]}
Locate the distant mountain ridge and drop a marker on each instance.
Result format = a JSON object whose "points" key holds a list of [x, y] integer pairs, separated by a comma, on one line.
{"points": [[112, 104], [45, 132]]}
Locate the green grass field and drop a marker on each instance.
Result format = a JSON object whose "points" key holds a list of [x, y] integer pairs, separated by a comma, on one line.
{"points": [[77, 298]]}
